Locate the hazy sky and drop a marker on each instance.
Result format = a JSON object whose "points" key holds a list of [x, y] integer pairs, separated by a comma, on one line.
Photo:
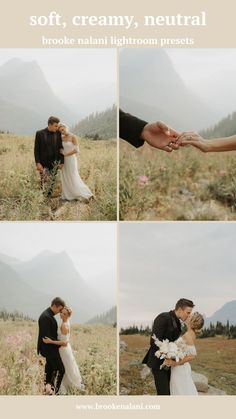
{"points": [[194, 64], [92, 246], [69, 66], [162, 262], [210, 73]]}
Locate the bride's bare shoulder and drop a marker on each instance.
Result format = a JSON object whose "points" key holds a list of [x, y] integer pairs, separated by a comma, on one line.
{"points": [[188, 338]]}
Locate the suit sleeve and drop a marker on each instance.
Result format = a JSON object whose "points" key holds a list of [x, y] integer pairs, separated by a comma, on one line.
{"points": [[159, 326], [45, 327], [37, 148], [131, 128]]}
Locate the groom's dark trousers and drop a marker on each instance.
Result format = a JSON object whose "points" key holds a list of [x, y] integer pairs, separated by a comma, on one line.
{"points": [[165, 326], [54, 368], [47, 148]]}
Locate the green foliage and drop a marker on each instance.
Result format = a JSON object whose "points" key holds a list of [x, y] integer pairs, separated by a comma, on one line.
{"points": [[98, 125], [134, 330], [219, 329], [109, 317], [225, 128], [5, 316]]}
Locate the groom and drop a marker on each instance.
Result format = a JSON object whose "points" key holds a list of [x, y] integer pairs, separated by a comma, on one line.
{"points": [[166, 326], [54, 368], [48, 158]]}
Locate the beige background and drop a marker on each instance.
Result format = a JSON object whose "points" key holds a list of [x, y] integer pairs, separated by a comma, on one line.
{"points": [[15, 32]]}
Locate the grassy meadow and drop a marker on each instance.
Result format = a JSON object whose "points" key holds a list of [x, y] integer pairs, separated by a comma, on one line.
{"points": [[183, 185], [22, 199], [216, 359], [22, 370]]}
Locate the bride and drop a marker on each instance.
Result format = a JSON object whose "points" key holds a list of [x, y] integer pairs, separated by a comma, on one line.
{"points": [[72, 377], [181, 382], [72, 185]]}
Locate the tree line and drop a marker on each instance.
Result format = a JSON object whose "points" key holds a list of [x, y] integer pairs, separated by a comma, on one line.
{"points": [[225, 128], [219, 329], [98, 125], [5, 315]]}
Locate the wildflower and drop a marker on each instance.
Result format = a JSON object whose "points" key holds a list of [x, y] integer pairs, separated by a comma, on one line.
{"points": [[143, 180]]}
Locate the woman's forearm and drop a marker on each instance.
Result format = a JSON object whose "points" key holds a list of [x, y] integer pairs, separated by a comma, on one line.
{"points": [[221, 144], [70, 153], [187, 358]]}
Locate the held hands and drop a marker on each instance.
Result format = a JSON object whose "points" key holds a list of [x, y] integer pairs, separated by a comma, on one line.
{"points": [[194, 139], [170, 362], [159, 135]]}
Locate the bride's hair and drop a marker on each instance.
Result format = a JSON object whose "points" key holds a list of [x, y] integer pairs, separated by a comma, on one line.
{"points": [[61, 125], [69, 311], [197, 322]]}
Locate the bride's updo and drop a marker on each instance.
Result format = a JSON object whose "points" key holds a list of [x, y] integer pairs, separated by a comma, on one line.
{"points": [[61, 125], [68, 310], [197, 322]]}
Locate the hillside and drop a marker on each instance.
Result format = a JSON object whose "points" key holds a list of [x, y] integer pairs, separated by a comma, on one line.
{"points": [[29, 287], [108, 317], [151, 88], [224, 128], [224, 314], [27, 99], [98, 126]]}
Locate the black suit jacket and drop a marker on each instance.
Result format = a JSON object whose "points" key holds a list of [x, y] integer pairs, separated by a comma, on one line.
{"points": [[47, 328], [47, 147], [131, 128], [165, 326]]}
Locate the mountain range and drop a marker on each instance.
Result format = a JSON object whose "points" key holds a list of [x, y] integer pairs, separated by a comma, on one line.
{"points": [[29, 287], [26, 98], [226, 313], [151, 89]]}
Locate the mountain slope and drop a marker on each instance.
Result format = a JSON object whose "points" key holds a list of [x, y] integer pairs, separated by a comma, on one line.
{"points": [[16, 295], [101, 125], [24, 89], [56, 274], [106, 318], [152, 89], [224, 314]]}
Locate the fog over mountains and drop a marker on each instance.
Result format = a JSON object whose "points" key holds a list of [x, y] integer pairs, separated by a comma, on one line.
{"points": [[29, 287], [27, 99], [151, 88]]}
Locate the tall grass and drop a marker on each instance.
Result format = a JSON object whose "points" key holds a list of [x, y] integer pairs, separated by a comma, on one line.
{"points": [[22, 199], [22, 370], [183, 185]]}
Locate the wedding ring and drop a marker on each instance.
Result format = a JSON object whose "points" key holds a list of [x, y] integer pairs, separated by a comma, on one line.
{"points": [[190, 137]]}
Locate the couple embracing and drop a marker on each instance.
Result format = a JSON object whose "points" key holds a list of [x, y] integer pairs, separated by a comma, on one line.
{"points": [[61, 370], [56, 148], [173, 376]]}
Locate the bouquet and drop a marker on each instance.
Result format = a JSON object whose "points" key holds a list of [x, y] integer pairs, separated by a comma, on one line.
{"points": [[170, 350]]}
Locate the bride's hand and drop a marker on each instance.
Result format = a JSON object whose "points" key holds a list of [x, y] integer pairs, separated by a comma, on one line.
{"points": [[169, 362], [194, 139]]}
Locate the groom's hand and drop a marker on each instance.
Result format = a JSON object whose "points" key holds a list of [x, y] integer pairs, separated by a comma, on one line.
{"points": [[159, 135], [64, 343]]}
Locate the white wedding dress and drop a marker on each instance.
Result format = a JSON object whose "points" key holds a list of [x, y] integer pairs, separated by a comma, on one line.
{"points": [[72, 185], [181, 382], [72, 377]]}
